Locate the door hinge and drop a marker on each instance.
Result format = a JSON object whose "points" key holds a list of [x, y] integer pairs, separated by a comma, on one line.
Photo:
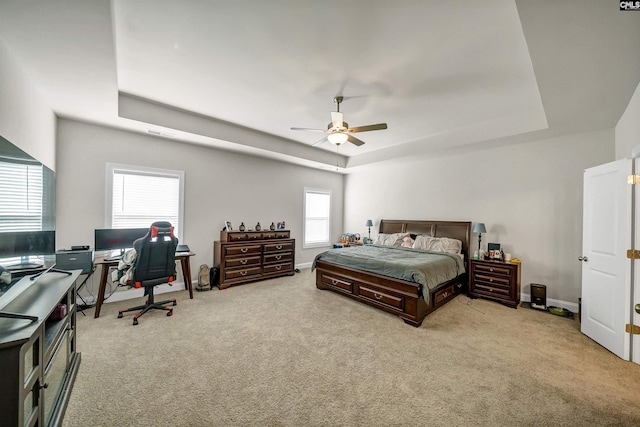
{"points": [[632, 329], [633, 253], [633, 179]]}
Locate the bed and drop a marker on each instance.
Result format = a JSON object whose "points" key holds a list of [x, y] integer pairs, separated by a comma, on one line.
{"points": [[403, 296]]}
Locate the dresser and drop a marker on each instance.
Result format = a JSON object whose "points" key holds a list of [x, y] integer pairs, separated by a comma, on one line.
{"points": [[496, 280], [247, 256]]}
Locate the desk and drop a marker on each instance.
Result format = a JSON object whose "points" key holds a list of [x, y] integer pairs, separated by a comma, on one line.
{"points": [[183, 257]]}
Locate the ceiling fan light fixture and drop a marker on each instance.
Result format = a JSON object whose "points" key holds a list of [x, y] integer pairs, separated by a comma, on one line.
{"points": [[337, 138]]}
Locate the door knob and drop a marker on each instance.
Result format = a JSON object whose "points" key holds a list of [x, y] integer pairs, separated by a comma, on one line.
{"points": [[583, 258]]}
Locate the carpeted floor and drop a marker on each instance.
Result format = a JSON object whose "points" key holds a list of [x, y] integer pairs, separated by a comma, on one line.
{"points": [[282, 353]]}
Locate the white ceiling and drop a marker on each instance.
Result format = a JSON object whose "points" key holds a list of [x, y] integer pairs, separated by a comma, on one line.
{"points": [[239, 74]]}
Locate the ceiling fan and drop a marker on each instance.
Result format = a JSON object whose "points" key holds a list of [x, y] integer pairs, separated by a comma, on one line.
{"points": [[338, 131]]}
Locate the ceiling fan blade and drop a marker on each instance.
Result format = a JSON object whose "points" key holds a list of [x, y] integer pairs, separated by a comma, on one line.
{"points": [[310, 129], [336, 119], [352, 139], [315, 144], [367, 128]]}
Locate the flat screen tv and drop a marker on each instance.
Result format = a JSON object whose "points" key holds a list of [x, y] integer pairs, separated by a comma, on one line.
{"points": [[114, 239]]}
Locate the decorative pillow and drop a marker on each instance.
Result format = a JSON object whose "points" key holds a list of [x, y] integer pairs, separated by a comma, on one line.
{"points": [[393, 239], [438, 244]]}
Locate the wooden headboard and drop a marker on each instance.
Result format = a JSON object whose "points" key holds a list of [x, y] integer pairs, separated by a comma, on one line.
{"points": [[460, 230]]}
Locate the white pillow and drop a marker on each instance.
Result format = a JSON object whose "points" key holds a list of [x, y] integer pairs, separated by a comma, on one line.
{"points": [[393, 239], [438, 244]]}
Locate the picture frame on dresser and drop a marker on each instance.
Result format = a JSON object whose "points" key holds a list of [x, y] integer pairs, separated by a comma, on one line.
{"points": [[227, 226]]}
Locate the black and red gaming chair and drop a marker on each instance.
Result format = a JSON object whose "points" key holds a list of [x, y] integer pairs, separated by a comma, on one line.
{"points": [[155, 264]]}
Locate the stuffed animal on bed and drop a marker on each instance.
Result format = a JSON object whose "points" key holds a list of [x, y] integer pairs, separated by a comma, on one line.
{"points": [[407, 242]]}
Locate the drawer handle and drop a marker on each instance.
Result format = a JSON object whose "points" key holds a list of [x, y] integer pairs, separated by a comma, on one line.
{"points": [[243, 261], [278, 267], [244, 250], [279, 247], [243, 273], [490, 279], [378, 297], [445, 294], [491, 269], [278, 256]]}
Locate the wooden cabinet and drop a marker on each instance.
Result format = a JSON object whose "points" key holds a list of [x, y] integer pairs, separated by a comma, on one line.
{"points": [[39, 359], [496, 280], [245, 256]]}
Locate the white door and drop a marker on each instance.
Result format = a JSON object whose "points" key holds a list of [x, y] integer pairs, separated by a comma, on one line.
{"points": [[605, 267]]}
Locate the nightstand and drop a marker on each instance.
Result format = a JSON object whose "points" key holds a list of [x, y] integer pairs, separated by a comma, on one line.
{"points": [[496, 280]]}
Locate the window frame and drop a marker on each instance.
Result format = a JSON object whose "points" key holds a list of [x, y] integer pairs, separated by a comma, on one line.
{"points": [[142, 170], [309, 190]]}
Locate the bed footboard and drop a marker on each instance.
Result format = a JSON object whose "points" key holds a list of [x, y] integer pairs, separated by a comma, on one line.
{"points": [[394, 296]]}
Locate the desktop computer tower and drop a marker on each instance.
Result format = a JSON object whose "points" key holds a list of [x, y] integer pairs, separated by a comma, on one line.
{"points": [[75, 260]]}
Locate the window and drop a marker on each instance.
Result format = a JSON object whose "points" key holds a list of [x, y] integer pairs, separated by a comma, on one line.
{"points": [[21, 186], [317, 217], [138, 196]]}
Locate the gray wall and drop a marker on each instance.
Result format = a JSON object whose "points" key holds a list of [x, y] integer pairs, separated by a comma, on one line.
{"points": [[529, 196], [26, 120], [219, 186]]}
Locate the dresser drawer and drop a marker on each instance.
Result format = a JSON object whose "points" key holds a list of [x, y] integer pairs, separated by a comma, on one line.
{"points": [[242, 261], [382, 298], [338, 283], [242, 250], [278, 268], [278, 247], [241, 273], [278, 257]]}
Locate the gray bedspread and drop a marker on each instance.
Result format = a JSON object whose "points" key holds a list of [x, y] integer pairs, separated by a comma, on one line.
{"points": [[413, 265]]}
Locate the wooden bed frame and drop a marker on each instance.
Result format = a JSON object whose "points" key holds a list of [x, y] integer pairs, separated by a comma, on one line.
{"points": [[396, 296]]}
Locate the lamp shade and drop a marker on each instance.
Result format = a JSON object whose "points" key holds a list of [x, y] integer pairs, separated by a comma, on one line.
{"points": [[337, 138], [369, 223], [479, 228]]}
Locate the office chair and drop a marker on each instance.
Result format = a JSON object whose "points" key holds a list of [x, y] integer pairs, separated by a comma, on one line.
{"points": [[155, 264]]}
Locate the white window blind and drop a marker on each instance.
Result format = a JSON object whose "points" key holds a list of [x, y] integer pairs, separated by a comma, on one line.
{"points": [[141, 196], [21, 185], [317, 217]]}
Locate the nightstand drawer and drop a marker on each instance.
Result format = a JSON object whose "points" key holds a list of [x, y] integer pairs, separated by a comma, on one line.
{"points": [[492, 280], [492, 269]]}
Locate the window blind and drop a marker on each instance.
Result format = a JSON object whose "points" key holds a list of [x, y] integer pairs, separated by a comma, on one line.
{"points": [[21, 185], [140, 198], [317, 216]]}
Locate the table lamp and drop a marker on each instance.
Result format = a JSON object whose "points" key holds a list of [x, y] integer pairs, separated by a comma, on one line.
{"points": [[479, 228], [369, 224]]}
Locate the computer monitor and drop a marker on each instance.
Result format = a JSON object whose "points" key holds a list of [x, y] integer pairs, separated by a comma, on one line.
{"points": [[14, 244], [111, 239]]}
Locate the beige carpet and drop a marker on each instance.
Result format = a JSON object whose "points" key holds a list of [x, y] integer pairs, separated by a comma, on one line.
{"points": [[282, 353]]}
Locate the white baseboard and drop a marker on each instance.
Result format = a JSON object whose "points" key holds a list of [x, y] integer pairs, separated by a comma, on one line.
{"points": [[304, 265], [571, 306]]}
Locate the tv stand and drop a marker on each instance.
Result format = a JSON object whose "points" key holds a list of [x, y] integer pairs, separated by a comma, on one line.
{"points": [[39, 359]]}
